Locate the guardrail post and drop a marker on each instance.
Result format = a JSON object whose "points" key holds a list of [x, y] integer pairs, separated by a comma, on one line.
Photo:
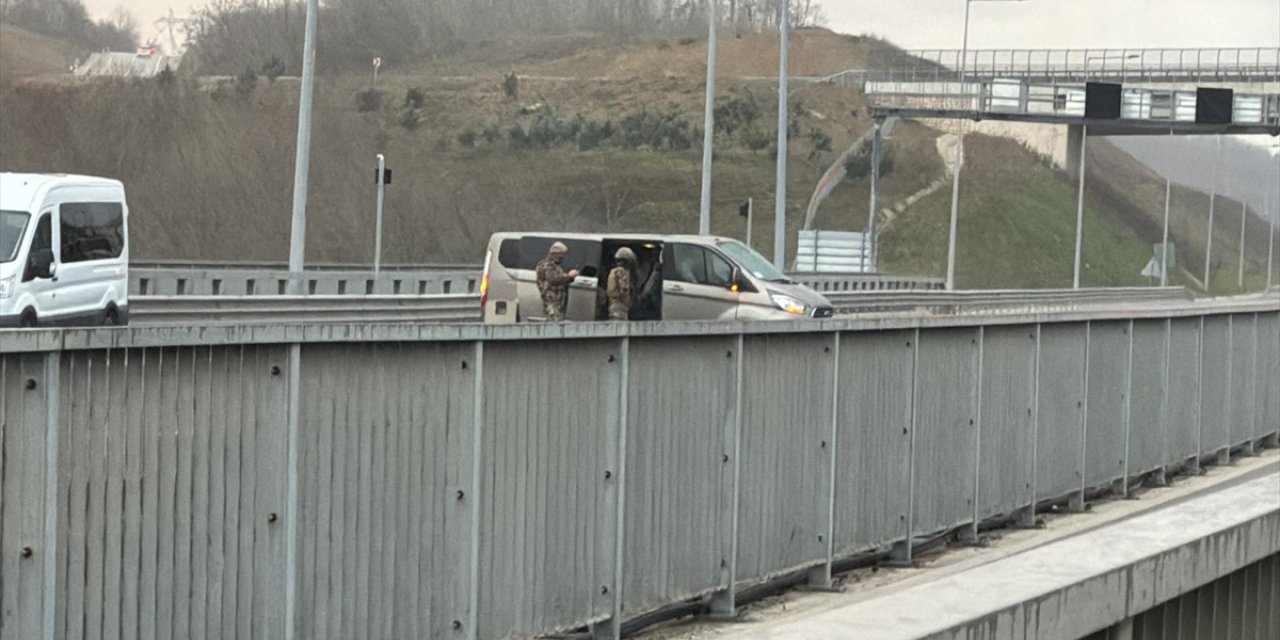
{"points": [[969, 534], [477, 428], [723, 603], [820, 576], [611, 629], [53, 420], [1077, 503], [900, 555]]}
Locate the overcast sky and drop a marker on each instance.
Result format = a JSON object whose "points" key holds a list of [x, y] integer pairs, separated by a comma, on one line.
{"points": [[937, 24]]}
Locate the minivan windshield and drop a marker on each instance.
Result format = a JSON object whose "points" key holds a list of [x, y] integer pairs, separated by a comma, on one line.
{"points": [[12, 224], [751, 262]]}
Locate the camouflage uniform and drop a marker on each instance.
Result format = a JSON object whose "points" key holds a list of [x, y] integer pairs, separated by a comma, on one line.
{"points": [[619, 293], [553, 285]]}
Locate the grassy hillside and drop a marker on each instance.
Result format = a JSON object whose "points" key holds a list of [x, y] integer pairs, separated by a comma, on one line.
{"points": [[597, 136], [23, 53]]}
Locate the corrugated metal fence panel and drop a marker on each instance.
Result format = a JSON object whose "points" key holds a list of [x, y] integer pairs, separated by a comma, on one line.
{"points": [[945, 447], [22, 481], [1242, 379], [785, 473], [1105, 407], [1146, 411], [1006, 422], [680, 417], [172, 462], [1268, 398], [386, 436], [1243, 605], [1215, 412], [1184, 390], [874, 443], [551, 419], [1059, 432]]}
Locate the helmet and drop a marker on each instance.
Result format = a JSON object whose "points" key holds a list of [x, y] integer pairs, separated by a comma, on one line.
{"points": [[625, 254], [559, 248]]}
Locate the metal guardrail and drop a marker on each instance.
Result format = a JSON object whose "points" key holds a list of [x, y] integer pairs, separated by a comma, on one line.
{"points": [[492, 482], [1242, 64], [465, 308], [231, 280], [204, 310], [269, 265]]}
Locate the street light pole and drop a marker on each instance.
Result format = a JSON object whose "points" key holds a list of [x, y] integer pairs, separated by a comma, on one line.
{"points": [[708, 123], [302, 162], [959, 155], [780, 198], [1213, 197], [377, 227]]}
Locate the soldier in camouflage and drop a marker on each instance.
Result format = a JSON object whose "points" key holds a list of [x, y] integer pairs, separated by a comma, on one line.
{"points": [[553, 282], [619, 286]]}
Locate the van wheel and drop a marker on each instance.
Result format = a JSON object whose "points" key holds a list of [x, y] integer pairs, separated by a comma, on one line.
{"points": [[28, 320], [111, 318]]}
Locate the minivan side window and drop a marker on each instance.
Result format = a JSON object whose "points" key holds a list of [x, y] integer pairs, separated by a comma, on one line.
{"points": [[696, 265], [91, 231], [686, 264], [719, 271], [528, 251]]}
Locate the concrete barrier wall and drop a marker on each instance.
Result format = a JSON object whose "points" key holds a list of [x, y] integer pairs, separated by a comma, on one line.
{"points": [[485, 483]]}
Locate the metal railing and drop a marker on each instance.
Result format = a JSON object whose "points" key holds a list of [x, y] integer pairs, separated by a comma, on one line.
{"points": [[235, 281], [1241, 64], [226, 309], [482, 482]]}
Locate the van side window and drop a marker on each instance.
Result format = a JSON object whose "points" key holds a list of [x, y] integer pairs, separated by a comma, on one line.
{"points": [[719, 271], [41, 240], [92, 231], [686, 263], [582, 253]]}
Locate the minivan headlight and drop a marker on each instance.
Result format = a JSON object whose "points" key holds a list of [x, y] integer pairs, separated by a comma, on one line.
{"points": [[6, 286], [789, 304]]}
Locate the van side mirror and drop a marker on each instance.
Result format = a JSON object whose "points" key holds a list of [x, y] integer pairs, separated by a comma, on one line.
{"points": [[735, 284], [40, 265]]}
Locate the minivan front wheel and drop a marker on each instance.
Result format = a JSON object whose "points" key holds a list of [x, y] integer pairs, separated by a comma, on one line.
{"points": [[28, 320], [111, 318]]}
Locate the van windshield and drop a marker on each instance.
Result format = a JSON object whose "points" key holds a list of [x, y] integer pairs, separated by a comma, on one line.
{"points": [[751, 262], [12, 224]]}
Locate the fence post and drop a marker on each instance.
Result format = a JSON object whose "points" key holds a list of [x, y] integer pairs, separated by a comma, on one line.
{"points": [[611, 629], [1127, 414], [1224, 449], [820, 577], [1199, 398], [292, 488], [1076, 502], [1027, 516], [477, 428], [53, 419], [723, 603], [900, 555], [969, 534], [1161, 478], [1251, 448]]}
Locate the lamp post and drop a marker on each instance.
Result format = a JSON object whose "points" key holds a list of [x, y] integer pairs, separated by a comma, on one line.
{"points": [[959, 155], [302, 163], [708, 122], [780, 190]]}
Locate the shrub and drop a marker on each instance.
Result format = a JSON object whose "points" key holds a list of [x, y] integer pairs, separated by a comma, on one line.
{"points": [[467, 138], [273, 68], [517, 137], [492, 134], [368, 100], [511, 86], [247, 81], [414, 98], [410, 120]]}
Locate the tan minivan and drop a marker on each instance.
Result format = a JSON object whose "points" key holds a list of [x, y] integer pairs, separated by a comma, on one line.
{"points": [[676, 278]]}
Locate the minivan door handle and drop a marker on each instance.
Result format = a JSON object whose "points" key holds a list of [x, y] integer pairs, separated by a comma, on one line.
{"points": [[677, 288]]}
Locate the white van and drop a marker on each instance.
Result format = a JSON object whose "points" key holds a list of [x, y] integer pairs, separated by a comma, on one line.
{"points": [[64, 251], [677, 277]]}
